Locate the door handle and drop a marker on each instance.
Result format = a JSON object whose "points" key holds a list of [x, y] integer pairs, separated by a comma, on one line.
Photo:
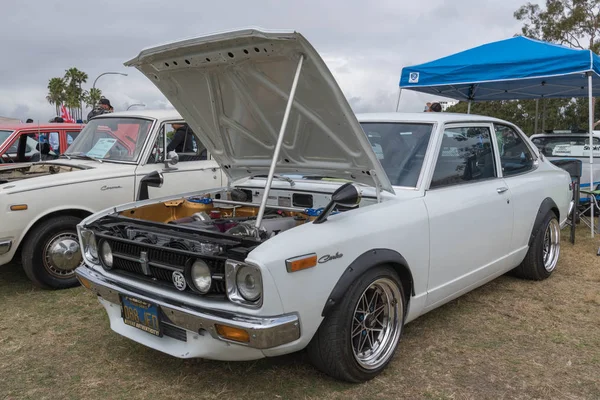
{"points": [[501, 190]]}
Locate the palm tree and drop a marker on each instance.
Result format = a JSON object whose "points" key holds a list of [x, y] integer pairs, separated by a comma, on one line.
{"points": [[92, 97], [75, 95], [56, 92]]}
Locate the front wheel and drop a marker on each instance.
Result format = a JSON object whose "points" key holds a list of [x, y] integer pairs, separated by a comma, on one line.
{"points": [[51, 253], [359, 338]]}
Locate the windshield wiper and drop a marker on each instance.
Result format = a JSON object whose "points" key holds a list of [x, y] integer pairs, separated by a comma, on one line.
{"points": [[83, 157], [282, 178]]}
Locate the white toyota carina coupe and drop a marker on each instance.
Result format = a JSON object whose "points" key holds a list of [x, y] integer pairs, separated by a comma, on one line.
{"points": [[319, 242]]}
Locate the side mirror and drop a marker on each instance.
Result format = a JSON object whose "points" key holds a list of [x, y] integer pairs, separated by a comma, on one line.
{"points": [[172, 159], [347, 195], [154, 179]]}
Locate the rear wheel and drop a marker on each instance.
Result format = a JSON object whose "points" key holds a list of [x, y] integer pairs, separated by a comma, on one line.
{"points": [[51, 253], [542, 257], [359, 338]]}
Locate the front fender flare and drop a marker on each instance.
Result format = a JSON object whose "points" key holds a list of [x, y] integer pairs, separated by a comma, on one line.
{"points": [[360, 265]]}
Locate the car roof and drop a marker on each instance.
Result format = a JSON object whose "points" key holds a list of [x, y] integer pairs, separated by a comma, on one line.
{"points": [[430, 117], [157, 114], [21, 126], [557, 134]]}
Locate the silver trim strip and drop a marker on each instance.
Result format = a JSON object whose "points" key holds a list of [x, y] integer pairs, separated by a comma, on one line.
{"points": [[264, 332], [5, 246]]}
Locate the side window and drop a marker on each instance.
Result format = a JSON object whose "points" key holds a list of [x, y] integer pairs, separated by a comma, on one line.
{"points": [[466, 155], [515, 155], [156, 154], [70, 137], [180, 139]]}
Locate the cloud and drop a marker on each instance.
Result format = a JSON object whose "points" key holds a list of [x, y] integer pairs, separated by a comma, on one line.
{"points": [[364, 44]]}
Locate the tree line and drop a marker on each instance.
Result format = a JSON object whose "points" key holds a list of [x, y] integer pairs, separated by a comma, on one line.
{"points": [[68, 90]]}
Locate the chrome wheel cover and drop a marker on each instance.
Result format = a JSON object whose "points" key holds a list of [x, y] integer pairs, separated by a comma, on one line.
{"points": [[61, 255], [377, 323], [551, 245]]}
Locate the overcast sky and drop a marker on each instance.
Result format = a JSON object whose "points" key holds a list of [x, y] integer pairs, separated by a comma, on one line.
{"points": [[365, 46]]}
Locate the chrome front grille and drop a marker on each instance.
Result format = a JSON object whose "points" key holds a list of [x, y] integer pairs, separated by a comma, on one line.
{"points": [[160, 263]]}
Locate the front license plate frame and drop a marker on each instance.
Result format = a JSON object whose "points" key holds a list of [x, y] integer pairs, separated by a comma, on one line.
{"points": [[141, 314]]}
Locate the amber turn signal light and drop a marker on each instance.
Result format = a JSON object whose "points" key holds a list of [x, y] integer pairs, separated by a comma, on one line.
{"points": [[301, 262], [18, 207], [231, 333], [85, 283]]}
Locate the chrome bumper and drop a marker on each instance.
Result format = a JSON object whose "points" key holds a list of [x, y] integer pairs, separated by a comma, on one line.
{"points": [[5, 246], [264, 332]]}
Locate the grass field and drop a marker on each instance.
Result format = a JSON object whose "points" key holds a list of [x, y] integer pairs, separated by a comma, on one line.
{"points": [[510, 339]]}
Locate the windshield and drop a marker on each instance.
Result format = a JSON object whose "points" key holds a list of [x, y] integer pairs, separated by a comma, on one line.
{"points": [[566, 146], [400, 148], [111, 139], [4, 135]]}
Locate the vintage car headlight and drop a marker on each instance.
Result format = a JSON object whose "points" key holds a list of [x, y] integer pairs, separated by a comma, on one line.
{"points": [[89, 246], [106, 254], [244, 283], [248, 281], [201, 278]]}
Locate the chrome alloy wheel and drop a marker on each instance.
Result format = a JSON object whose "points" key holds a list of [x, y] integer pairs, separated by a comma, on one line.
{"points": [[551, 245], [61, 255], [377, 323]]}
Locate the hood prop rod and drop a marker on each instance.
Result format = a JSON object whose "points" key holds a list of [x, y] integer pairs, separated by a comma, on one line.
{"points": [[286, 115]]}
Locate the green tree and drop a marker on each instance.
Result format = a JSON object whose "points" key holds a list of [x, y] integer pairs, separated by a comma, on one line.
{"points": [[74, 93], [56, 93], [575, 23], [92, 97]]}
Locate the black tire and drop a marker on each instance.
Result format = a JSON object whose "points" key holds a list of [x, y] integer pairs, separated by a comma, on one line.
{"points": [[535, 266], [332, 349], [33, 257]]}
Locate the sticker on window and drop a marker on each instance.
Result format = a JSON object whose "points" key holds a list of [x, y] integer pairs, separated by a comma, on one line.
{"points": [[101, 148]]}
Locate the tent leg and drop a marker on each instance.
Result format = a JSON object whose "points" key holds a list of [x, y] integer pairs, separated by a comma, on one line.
{"points": [[398, 101], [591, 132], [469, 107], [543, 114], [537, 115]]}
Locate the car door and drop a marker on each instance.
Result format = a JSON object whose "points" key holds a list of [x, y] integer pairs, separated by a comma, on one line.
{"points": [[470, 213], [517, 161], [194, 171]]}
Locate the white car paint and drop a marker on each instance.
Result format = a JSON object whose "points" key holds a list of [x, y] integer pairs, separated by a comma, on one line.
{"points": [[453, 238], [98, 186]]}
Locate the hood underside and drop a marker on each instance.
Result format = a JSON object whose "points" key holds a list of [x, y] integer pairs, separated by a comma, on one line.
{"points": [[232, 89]]}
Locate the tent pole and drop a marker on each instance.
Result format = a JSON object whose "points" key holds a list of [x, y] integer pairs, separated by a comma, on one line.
{"points": [[543, 114], [537, 114], [469, 107], [398, 102], [591, 133]]}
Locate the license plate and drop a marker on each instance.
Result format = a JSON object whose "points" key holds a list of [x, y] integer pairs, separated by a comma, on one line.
{"points": [[140, 314]]}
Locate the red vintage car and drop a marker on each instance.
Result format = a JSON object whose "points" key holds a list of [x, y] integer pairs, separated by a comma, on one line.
{"points": [[32, 142]]}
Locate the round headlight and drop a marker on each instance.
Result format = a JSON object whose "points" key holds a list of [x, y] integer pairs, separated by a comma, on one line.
{"points": [[201, 276], [90, 247], [107, 255], [249, 283]]}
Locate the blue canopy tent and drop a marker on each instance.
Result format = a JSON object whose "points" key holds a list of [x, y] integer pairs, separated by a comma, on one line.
{"points": [[510, 69]]}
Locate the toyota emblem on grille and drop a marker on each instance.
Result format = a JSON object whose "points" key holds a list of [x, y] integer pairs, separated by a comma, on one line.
{"points": [[144, 262], [179, 280]]}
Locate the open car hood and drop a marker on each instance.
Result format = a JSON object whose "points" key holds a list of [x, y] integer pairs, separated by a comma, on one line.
{"points": [[232, 89]]}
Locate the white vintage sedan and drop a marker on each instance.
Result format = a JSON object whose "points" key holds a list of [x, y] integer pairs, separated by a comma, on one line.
{"points": [[42, 203], [318, 243]]}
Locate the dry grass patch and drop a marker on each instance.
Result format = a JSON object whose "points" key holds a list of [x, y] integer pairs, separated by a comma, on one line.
{"points": [[510, 339]]}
